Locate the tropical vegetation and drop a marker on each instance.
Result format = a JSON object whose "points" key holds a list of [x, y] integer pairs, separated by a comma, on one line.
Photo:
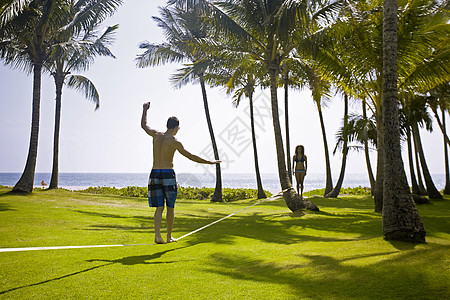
{"points": [[391, 57], [39, 33], [203, 193]]}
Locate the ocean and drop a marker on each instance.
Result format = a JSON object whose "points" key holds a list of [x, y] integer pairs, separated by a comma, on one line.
{"points": [[77, 181]]}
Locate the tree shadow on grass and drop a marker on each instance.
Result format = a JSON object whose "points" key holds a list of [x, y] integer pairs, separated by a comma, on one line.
{"points": [[287, 230], [12, 194], [396, 275], [262, 224], [126, 261], [103, 215], [5, 207], [54, 279], [140, 259]]}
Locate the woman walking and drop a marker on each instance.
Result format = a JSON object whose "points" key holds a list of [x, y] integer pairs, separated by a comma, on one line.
{"points": [[300, 165]]}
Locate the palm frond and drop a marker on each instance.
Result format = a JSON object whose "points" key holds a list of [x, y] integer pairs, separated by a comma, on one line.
{"points": [[155, 55], [10, 9], [91, 12], [85, 86]]}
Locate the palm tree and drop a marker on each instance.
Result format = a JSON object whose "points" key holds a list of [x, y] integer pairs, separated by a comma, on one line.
{"points": [[421, 57], [286, 115], [414, 113], [362, 130], [262, 27], [320, 90], [183, 29], [335, 192], [446, 161], [440, 99], [409, 116], [367, 133], [75, 54], [432, 191], [28, 35], [401, 220], [239, 74], [26, 41]]}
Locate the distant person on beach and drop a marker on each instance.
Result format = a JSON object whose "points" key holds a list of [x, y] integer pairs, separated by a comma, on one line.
{"points": [[300, 165], [162, 185]]}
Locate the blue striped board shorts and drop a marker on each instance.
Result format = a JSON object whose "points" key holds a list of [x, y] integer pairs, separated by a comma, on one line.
{"points": [[162, 185]]}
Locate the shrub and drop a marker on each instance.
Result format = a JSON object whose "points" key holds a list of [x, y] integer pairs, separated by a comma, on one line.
{"points": [[228, 194], [348, 191]]}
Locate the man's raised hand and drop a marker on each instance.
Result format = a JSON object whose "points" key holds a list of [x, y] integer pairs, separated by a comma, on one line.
{"points": [[146, 105]]}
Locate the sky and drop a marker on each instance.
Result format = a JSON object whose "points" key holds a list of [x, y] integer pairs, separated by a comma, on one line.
{"points": [[110, 140]]}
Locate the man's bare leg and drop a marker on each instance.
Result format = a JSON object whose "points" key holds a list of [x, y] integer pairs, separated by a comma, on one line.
{"points": [[169, 220], [157, 220]]}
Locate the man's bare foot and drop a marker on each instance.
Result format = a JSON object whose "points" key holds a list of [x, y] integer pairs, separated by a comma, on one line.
{"points": [[171, 240], [159, 240]]}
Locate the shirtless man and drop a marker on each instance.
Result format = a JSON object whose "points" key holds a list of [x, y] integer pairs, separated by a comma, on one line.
{"points": [[162, 182]]}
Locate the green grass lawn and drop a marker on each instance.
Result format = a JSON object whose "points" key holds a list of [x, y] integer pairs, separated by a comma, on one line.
{"points": [[264, 252]]}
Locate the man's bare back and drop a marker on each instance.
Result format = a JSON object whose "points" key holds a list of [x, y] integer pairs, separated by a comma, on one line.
{"points": [[164, 147]]}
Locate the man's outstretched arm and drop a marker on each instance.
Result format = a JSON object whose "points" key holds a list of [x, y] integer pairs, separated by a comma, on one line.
{"points": [[193, 157], [144, 125]]}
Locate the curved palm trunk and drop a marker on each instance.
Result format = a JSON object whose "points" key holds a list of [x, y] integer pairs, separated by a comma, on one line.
{"points": [[414, 185], [261, 193], [329, 179], [422, 189], [59, 82], [433, 193], [217, 196], [292, 199], [366, 153], [335, 192], [401, 220], [447, 169], [286, 114], [416, 193], [26, 181], [378, 197], [441, 124]]}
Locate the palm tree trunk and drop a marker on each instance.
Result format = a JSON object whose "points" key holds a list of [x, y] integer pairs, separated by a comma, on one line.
{"points": [[261, 193], [59, 82], [329, 179], [422, 191], [401, 220], [441, 125], [378, 198], [447, 169], [26, 181], [292, 199], [335, 192], [217, 196], [366, 153], [432, 191], [414, 185], [286, 114], [416, 192]]}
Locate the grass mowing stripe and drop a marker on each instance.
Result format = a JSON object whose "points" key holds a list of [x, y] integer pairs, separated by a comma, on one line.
{"points": [[123, 245]]}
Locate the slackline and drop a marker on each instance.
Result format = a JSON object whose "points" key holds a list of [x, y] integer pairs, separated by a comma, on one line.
{"points": [[127, 245]]}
